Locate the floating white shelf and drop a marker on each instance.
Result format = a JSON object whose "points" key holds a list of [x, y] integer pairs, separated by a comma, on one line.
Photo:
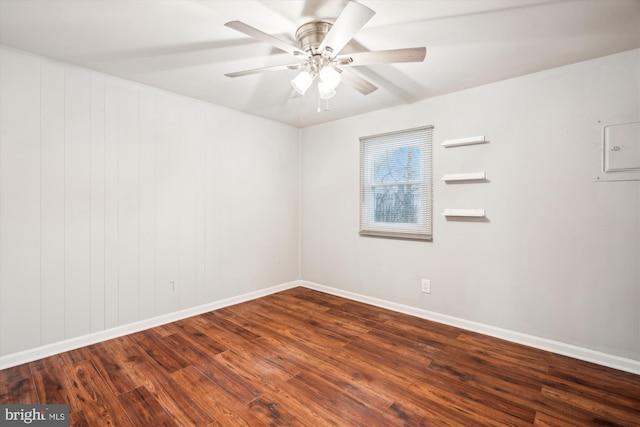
{"points": [[464, 141], [464, 212], [464, 176]]}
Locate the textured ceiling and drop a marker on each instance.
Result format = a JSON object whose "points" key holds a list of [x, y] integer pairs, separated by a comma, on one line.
{"points": [[183, 46]]}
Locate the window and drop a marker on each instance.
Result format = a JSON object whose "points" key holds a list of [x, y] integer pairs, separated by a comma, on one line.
{"points": [[395, 184]]}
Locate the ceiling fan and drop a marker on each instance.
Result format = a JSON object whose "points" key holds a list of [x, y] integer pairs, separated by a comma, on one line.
{"points": [[318, 52]]}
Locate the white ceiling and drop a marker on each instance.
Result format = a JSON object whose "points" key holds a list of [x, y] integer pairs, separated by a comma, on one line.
{"points": [[183, 46]]}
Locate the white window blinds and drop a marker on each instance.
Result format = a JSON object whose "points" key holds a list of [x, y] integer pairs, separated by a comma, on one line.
{"points": [[396, 184]]}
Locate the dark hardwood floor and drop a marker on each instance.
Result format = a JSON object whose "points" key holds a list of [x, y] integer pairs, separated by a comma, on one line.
{"points": [[301, 357]]}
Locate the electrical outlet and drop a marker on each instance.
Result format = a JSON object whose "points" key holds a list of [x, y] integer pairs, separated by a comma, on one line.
{"points": [[426, 286]]}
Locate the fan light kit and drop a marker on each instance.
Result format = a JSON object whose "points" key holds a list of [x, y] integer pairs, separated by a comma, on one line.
{"points": [[319, 44]]}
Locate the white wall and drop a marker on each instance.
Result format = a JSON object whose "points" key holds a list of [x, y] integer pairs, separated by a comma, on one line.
{"points": [[558, 255], [110, 190]]}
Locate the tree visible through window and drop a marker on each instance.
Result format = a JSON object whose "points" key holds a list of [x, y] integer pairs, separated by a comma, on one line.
{"points": [[395, 184]]}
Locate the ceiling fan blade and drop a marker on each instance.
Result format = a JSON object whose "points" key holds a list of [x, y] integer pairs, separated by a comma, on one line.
{"points": [[358, 83], [265, 69], [411, 54], [266, 38], [351, 20]]}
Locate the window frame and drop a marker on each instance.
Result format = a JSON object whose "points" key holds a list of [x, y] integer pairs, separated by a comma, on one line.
{"points": [[370, 149]]}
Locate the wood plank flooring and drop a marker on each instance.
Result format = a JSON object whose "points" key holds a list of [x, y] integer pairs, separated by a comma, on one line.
{"points": [[304, 358]]}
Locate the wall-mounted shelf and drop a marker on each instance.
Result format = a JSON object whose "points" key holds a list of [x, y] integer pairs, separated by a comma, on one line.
{"points": [[471, 176], [464, 212], [464, 141]]}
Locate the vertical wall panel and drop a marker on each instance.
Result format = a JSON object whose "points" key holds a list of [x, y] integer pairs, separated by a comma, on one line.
{"points": [[111, 203], [97, 201], [199, 180], [147, 204], [213, 154], [187, 202], [19, 202], [77, 202], [168, 138], [128, 203], [52, 201]]}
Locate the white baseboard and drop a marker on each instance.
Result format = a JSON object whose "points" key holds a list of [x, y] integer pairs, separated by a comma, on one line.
{"points": [[557, 347], [71, 344], [581, 353]]}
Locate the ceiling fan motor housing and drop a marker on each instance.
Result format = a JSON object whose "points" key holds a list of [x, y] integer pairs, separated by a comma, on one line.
{"points": [[311, 35]]}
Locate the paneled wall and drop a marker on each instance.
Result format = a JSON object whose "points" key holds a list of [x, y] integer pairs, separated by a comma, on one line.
{"points": [[119, 202]]}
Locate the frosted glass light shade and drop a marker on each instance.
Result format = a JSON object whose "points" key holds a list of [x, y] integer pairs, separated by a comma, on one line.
{"points": [[330, 77], [302, 82], [325, 90]]}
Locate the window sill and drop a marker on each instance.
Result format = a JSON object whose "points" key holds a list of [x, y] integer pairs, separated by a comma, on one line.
{"points": [[396, 235]]}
